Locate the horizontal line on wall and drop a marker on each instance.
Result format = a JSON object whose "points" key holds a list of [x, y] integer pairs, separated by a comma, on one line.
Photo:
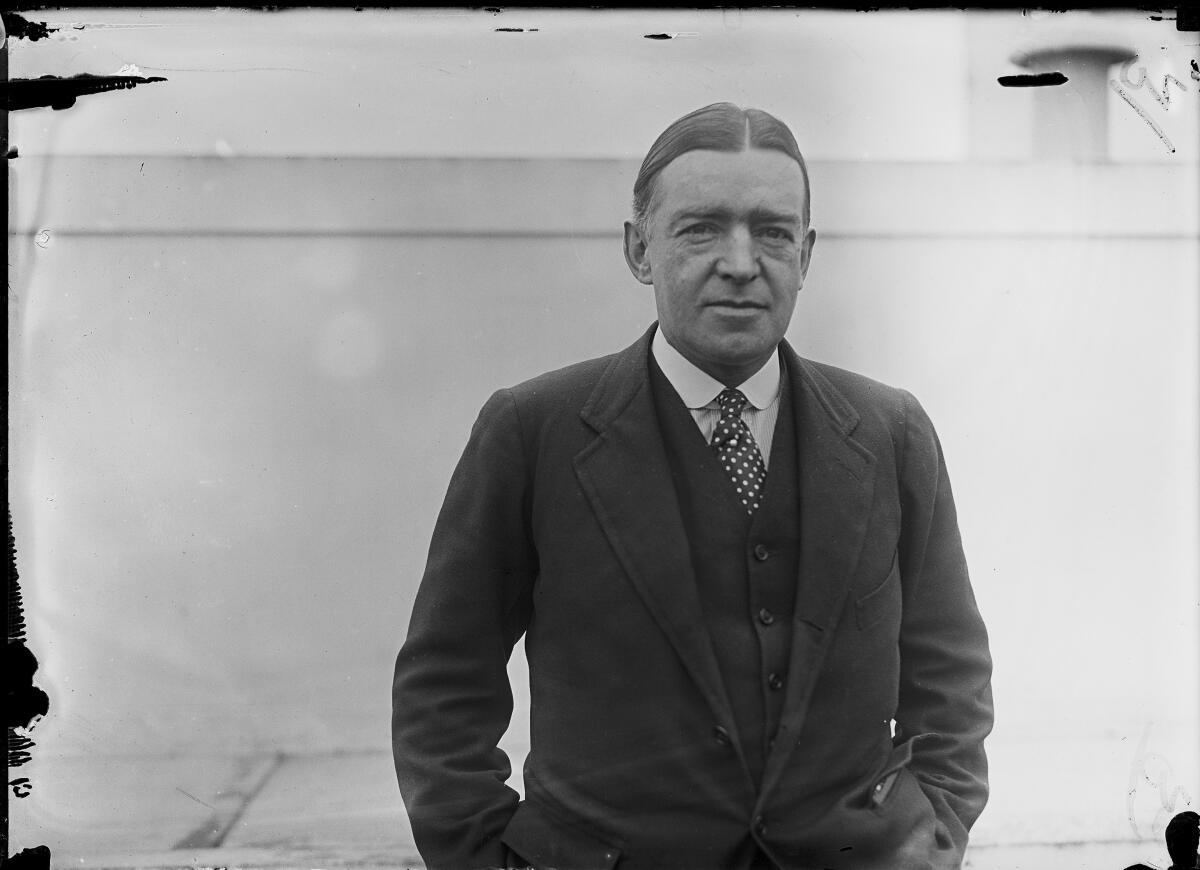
{"points": [[584, 234], [565, 198], [634, 160], [1055, 844]]}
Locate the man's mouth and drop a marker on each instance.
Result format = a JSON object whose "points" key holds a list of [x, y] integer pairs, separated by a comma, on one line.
{"points": [[740, 304]]}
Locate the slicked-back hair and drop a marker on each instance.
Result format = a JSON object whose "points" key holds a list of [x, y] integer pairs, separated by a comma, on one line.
{"points": [[718, 127]]}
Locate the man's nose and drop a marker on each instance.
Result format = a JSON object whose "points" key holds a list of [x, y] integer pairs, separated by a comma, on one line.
{"points": [[739, 256]]}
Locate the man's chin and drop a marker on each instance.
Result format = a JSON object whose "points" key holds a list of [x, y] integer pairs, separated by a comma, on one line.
{"points": [[744, 348], [736, 360]]}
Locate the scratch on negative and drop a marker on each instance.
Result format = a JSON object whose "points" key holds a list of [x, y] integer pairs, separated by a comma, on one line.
{"points": [[196, 799], [1112, 83]]}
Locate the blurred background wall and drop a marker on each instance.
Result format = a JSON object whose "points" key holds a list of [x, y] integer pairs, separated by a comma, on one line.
{"points": [[253, 311]]}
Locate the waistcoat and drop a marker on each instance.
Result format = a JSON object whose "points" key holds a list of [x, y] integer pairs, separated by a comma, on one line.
{"points": [[745, 568]]}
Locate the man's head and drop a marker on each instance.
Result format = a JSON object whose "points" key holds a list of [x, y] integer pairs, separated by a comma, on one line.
{"points": [[1183, 839], [721, 229]]}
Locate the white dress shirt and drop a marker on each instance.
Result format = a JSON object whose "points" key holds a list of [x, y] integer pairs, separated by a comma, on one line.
{"points": [[699, 391]]}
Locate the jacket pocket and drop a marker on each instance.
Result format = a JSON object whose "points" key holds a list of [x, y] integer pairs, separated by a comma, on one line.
{"points": [[546, 843], [884, 599], [885, 781]]}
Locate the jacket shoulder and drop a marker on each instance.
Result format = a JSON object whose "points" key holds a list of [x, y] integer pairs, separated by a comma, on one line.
{"points": [[886, 420], [561, 390], [871, 400]]}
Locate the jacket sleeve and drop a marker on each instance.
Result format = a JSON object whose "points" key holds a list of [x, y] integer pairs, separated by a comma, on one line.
{"points": [[451, 699], [945, 681]]}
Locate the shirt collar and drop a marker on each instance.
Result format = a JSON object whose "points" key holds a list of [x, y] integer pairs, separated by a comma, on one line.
{"points": [[699, 389]]}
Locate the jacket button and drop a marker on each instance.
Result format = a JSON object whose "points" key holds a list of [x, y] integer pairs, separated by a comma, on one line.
{"points": [[761, 552], [721, 736], [760, 826], [775, 681], [765, 616]]}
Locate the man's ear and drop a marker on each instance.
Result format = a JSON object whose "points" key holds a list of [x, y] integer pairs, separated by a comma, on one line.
{"points": [[806, 248], [636, 245]]}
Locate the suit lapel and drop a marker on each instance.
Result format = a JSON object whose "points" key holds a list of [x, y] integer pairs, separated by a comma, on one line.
{"points": [[626, 476], [836, 482]]}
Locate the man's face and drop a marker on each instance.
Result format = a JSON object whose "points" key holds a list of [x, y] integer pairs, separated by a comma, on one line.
{"points": [[726, 249]]}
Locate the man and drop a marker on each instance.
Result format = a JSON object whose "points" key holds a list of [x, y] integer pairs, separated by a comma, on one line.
{"points": [[734, 570]]}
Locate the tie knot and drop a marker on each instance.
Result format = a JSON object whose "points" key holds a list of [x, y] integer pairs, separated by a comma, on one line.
{"points": [[731, 401]]}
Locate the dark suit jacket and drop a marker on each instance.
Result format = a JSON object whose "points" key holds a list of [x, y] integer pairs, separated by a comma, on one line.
{"points": [[561, 522]]}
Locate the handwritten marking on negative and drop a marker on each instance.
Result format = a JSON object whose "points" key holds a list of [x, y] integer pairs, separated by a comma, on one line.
{"points": [[1163, 97]]}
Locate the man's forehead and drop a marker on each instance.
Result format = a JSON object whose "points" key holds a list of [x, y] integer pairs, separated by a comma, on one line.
{"points": [[755, 179]]}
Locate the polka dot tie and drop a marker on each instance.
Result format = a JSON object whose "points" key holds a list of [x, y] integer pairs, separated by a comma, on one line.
{"points": [[737, 451]]}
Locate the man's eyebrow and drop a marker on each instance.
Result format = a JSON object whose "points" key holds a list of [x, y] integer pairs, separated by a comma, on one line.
{"points": [[700, 214], [769, 216]]}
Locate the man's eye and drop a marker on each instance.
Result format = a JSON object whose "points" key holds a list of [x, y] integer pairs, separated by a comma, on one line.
{"points": [[776, 234], [699, 230]]}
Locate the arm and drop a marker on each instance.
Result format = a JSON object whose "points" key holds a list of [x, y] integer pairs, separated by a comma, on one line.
{"points": [[945, 679], [451, 700]]}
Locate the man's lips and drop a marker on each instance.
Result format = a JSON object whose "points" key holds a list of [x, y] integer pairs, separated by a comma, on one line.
{"points": [[737, 304]]}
